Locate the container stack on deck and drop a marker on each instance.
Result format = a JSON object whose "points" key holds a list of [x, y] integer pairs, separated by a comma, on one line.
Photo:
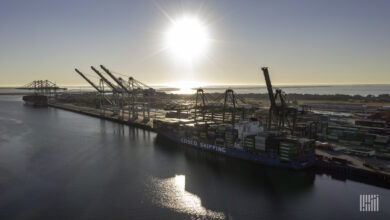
{"points": [[230, 137], [288, 149], [272, 146], [211, 131], [249, 143], [260, 140], [291, 148], [220, 134]]}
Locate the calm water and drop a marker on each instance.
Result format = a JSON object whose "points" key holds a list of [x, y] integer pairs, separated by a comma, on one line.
{"points": [[56, 164]]}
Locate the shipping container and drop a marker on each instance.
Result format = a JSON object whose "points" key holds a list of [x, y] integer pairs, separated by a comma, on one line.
{"points": [[381, 139], [203, 135], [249, 141], [220, 141], [211, 133], [291, 148], [260, 143], [273, 142], [332, 137], [369, 139]]}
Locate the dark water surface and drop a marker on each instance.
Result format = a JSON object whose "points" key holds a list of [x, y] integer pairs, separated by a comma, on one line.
{"points": [[56, 164]]}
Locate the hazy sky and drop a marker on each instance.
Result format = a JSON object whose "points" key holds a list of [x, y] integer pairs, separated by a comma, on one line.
{"points": [[303, 42]]}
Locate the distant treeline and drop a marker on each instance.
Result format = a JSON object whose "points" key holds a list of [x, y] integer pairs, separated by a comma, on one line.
{"points": [[336, 97]]}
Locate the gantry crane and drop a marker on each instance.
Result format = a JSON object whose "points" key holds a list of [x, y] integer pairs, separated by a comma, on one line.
{"points": [[42, 87], [99, 88], [116, 92], [134, 89], [285, 115], [88, 80]]}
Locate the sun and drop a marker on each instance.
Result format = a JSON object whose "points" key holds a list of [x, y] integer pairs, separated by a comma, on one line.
{"points": [[187, 39]]}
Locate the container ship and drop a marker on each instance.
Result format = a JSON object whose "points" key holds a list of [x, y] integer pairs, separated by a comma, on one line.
{"points": [[245, 140], [36, 100]]}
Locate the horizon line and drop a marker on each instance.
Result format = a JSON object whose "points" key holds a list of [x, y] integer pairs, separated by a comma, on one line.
{"points": [[168, 85]]}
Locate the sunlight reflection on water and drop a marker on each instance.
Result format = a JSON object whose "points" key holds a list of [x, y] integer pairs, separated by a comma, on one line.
{"points": [[184, 91], [170, 193]]}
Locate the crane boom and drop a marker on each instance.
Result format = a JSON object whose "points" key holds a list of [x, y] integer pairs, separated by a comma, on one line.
{"points": [[104, 79], [89, 81], [269, 86], [114, 78]]}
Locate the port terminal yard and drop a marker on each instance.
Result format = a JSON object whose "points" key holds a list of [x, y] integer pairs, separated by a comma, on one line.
{"points": [[350, 143]]}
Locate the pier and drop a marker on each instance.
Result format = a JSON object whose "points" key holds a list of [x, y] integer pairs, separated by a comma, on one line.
{"points": [[139, 123]]}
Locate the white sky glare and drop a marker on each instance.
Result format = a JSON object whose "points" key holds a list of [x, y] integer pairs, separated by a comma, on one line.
{"points": [[187, 39], [303, 42]]}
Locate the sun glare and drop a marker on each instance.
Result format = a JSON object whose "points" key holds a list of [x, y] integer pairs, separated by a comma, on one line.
{"points": [[187, 39], [185, 87]]}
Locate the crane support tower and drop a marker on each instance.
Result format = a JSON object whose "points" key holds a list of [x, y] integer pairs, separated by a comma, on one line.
{"points": [[281, 116], [116, 103], [101, 93]]}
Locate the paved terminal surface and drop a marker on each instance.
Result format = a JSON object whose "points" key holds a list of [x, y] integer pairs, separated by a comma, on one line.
{"points": [[358, 161], [107, 114], [377, 165]]}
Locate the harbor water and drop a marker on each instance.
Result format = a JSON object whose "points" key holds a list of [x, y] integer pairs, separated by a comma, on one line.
{"points": [[56, 164]]}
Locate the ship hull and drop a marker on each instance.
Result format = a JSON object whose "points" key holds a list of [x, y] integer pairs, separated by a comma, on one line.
{"points": [[35, 100], [296, 164]]}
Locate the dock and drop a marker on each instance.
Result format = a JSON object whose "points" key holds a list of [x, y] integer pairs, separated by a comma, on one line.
{"points": [[139, 123]]}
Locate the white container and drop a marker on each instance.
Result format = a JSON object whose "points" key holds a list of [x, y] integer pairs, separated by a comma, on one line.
{"points": [[260, 143], [259, 139], [260, 147]]}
